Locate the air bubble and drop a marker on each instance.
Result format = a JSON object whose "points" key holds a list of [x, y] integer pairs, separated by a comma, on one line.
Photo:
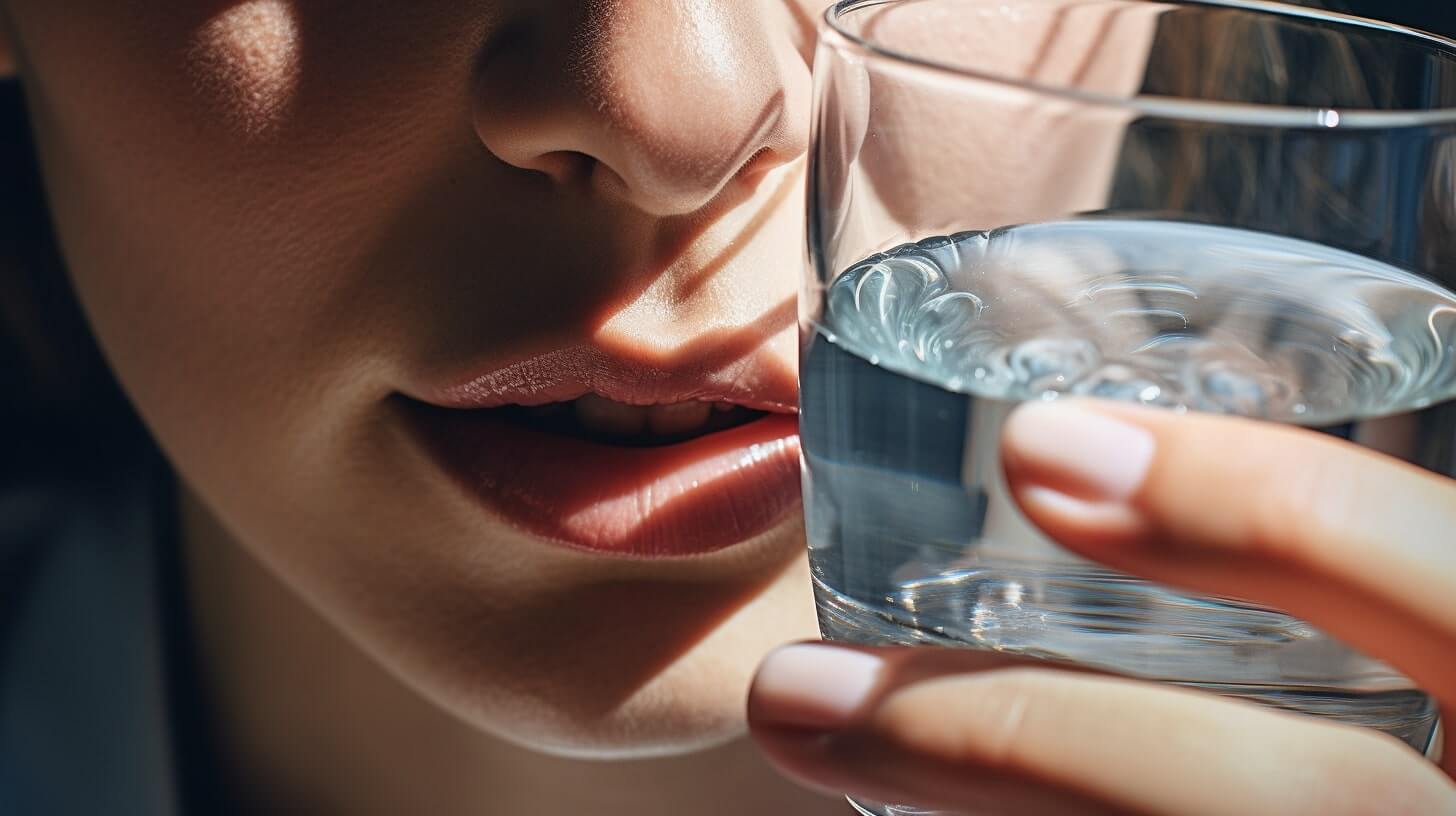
{"points": [[1118, 381], [1225, 388], [1047, 362]]}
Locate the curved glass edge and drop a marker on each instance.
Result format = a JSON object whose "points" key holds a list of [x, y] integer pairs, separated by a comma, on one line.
{"points": [[835, 35]]}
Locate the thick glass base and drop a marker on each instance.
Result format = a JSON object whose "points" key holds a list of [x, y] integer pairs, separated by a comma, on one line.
{"points": [[1095, 618], [870, 809]]}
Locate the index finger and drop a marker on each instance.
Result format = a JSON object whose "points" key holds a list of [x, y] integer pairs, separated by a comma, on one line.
{"points": [[1354, 542]]}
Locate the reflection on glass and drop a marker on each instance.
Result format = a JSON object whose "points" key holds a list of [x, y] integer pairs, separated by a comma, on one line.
{"points": [[1201, 206]]}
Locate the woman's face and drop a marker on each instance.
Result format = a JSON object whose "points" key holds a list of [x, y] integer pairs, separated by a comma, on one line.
{"points": [[326, 246]]}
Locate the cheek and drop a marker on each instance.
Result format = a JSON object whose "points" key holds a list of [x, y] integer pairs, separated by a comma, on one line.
{"points": [[157, 210], [225, 221], [213, 233], [245, 63]]}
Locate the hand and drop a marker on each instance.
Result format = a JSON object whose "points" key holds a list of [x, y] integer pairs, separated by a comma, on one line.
{"points": [[1358, 544]]}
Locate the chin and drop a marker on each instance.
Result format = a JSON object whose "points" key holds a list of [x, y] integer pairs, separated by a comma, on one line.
{"points": [[674, 717], [695, 702]]}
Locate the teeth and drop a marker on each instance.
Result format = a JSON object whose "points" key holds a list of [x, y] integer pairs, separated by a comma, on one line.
{"points": [[677, 418], [599, 414], [605, 416]]}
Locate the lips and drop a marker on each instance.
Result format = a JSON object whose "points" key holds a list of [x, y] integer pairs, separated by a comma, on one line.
{"points": [[595, 453]]}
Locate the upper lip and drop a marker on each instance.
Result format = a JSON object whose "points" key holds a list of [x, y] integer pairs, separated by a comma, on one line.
{"points": [[565, 374]]}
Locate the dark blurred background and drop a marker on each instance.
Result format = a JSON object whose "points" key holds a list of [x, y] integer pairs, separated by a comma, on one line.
{"points": [[1437, 16]]}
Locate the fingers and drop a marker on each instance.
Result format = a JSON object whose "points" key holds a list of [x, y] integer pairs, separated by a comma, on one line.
{"points": [[1359, 544], [978, 732]]}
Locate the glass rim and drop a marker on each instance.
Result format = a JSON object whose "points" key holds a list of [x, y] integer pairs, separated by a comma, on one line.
{"points": [[1199, 110]]}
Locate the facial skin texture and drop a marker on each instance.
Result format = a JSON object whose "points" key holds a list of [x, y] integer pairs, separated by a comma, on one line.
{"points": [[280, 213]]}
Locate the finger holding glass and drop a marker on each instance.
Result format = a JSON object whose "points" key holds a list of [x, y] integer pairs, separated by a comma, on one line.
{"points": [[1142, 208]]}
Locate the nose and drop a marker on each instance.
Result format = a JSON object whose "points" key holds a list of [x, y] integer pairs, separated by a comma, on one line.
{"points": [[663, 104]]}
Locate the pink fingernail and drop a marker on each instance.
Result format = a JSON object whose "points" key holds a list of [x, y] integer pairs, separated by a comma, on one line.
{"points": [[1078, 451], [814, 685]]}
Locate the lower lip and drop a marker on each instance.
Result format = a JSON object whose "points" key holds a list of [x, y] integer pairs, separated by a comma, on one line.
{"points": [[687, 499]]}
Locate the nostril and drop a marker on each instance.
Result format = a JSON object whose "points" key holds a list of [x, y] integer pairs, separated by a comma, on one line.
{"points": [[565, 167], [596, 103], [762, 161]]}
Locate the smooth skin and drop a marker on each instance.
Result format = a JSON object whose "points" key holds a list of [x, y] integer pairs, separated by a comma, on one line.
{"points": [[277, 213]]}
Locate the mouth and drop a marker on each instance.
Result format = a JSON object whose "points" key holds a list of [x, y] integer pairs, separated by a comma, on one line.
{"points": [[623, 463], [594, 418]]}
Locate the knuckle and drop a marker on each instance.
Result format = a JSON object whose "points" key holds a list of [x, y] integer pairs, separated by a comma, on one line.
{"points": [[984, 726], [1298, 502]]}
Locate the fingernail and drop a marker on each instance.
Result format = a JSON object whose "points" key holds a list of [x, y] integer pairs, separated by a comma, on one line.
{"points": [[1078, 452], [814, 685]]}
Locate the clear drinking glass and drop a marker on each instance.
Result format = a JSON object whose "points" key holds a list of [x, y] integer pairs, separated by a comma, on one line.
{"points": [[1235, 207]]}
